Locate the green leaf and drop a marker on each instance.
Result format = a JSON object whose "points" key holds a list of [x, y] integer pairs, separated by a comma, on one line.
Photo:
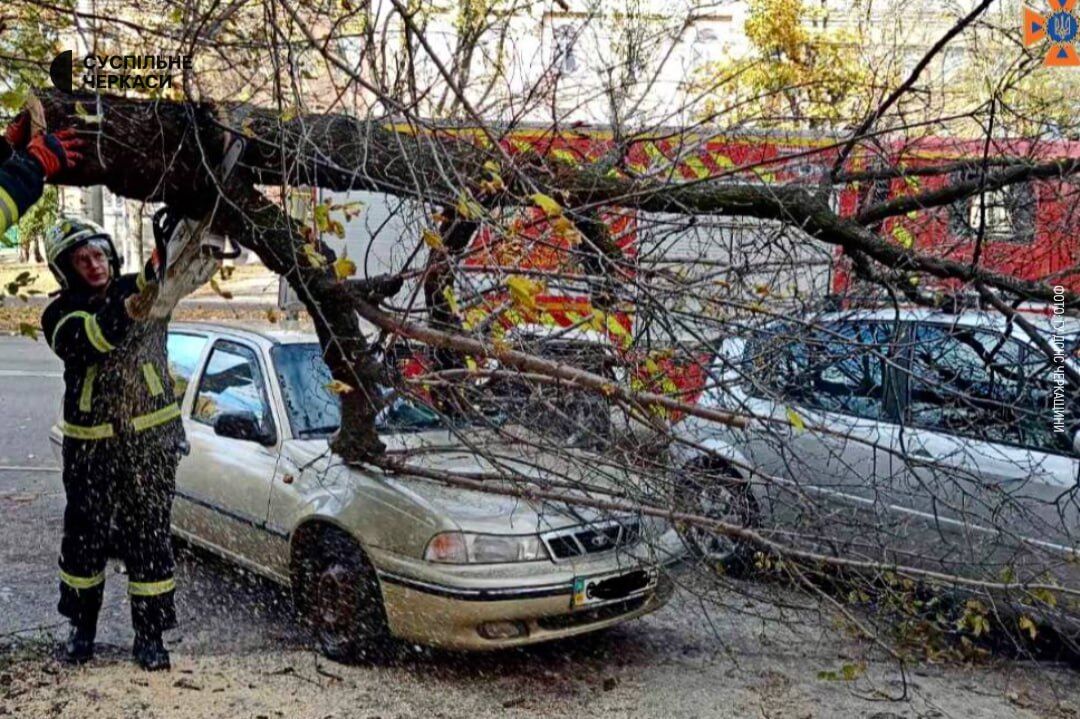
{"points": [[13, 99]]}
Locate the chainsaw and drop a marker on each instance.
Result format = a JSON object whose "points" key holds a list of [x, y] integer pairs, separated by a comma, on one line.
{"points": [[186, 254]]}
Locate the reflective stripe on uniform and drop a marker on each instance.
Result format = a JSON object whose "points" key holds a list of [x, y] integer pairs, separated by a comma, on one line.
{"points": [[8, 210], [151, 589], [93, 331], [86, 396], [152, 379], [82, 582], [153, 419], [98, 431]]}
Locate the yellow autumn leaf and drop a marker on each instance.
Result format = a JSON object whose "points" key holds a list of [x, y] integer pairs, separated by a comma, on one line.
{"points": [[432, 239], [467, 208], [28, 330], [451, 299], [1027, 624], [546, 203], [217, 288], [338, 387], [344, 267], [322, 216], [523, 291], [796, 420], [314, 257], [561, 225], [491, 166], [85, 114]]}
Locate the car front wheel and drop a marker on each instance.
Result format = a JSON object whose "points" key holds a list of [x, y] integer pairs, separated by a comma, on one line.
{"points": [[717, 492], [342, 600]]}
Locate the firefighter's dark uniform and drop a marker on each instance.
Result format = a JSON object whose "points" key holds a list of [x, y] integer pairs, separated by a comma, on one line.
{"points": [[21, 184], [122, 433]]}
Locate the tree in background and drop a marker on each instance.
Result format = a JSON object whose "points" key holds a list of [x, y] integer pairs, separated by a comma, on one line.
{"points": [[798, 74]]}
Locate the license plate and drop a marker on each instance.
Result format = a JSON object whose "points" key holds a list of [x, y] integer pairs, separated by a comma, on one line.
{"points": [[612, 586]]}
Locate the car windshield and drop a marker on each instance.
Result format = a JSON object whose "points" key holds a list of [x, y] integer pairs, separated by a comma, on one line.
{"points": [[315, 411]]}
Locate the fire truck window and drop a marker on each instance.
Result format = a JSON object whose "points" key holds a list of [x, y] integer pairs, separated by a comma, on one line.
{"points": [[1006, 215]]}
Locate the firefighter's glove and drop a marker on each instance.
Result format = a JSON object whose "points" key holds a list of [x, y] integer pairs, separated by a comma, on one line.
{"points": [[56, 152], [139, 304], [17, 133]]}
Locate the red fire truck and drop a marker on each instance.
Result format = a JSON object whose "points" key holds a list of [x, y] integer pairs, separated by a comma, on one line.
{"points": [[524, 275]]}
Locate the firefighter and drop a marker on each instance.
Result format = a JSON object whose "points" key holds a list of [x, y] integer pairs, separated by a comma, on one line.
{"points": [[27, 163], [122, 438]]}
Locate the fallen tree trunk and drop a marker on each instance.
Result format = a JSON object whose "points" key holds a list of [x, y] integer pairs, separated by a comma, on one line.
{"points": [[160, 151]]}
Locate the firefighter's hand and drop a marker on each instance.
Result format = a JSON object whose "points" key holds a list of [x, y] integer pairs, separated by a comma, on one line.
{"points": [[138, 305], [56, 152], [17, 133]]}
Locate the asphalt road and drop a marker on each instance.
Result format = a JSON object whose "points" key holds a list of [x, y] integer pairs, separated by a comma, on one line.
{"points": [[737, 654], [220, 608]]}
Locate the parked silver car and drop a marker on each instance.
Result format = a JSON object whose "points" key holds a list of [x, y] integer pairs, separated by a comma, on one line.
{"points": [[916, 437], [369, 554]]}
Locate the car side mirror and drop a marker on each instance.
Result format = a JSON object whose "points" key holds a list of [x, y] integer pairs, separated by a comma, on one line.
{"points": [[242, 425]]}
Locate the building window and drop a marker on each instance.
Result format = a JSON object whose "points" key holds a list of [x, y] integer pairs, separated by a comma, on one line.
{"points": [[1008, 214], [566, 58]]}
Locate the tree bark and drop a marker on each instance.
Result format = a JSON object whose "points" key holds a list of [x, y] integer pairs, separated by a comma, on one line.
{"points": [[160, 151]]}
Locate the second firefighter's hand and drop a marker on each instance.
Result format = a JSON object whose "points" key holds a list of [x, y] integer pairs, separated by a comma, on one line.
{"points": [[138, 305], [17, 133], [56, 152]]}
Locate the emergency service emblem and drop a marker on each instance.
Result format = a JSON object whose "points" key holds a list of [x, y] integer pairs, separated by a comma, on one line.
{"points": [[1060, 27]]}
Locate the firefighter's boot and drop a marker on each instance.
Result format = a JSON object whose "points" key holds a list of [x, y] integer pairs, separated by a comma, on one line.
{"points": [[150, 652], [79, 647]]}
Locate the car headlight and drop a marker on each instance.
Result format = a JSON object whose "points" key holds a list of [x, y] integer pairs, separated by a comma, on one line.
{"points": [[469, 548]]}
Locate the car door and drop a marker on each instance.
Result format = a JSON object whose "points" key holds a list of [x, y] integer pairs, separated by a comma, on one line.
{"points": [[186, 351], [987, 469], [227, 482], [834, 422]]}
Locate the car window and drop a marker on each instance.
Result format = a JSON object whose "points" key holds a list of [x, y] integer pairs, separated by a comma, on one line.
{"points": [[839, 367], [987, 386], [232, 382], [315, 411], [184, 351]]}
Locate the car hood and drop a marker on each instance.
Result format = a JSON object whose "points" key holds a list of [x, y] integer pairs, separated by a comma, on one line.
{"points": [[471, 510]]}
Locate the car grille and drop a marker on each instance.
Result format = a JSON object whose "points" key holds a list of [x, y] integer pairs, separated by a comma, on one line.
{"points": [[591, 616], [592, 538]]}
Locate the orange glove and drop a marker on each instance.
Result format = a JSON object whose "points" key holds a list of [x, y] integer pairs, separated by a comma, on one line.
{"points": [[17, 133], [56, 152]]}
